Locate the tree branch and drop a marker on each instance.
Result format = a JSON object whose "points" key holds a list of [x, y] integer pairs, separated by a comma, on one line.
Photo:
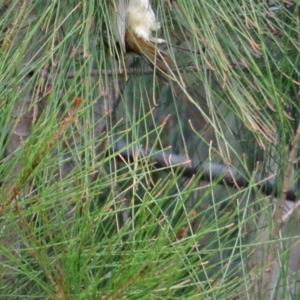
{"points": [[207, 171]]}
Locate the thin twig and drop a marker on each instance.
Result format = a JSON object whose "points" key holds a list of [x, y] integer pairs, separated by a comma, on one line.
{"points": [[278, 213], [132, 71]]}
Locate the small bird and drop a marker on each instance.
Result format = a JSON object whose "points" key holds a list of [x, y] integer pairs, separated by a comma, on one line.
{"points": [[141, 22]]}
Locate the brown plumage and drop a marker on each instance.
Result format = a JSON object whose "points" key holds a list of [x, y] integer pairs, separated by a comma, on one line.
{"points": [[159, 60]]}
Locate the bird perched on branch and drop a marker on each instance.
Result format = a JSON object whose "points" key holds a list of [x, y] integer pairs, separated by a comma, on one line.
{"points": [[141, 22]]}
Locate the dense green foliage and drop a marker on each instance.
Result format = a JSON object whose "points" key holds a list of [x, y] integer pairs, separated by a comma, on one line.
{"points": [[81, 221]]}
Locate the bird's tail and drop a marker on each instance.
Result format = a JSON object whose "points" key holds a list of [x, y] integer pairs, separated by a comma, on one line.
{"points": [[159, 60]]}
